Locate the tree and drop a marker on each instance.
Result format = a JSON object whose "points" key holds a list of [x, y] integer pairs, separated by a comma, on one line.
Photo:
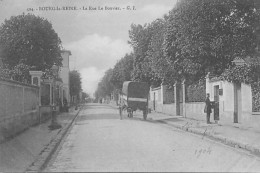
{"points": [[30, 40], [159, 67], [105, 87], [147, 41], [205, 36], [122, 71], [75, 83], [139, 39]]}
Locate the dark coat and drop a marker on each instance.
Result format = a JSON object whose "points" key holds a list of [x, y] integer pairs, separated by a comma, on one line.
{"points": [[207, 106]]}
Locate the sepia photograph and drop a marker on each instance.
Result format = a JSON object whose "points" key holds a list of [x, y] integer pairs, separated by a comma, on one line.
{"points": [[129, 86]]}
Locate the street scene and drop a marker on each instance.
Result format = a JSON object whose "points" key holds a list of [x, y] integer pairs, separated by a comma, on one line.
{"points": [[130, 86]]}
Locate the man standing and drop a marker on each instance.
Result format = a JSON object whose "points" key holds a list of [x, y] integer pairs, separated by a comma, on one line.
{"points": [[207, 108]]}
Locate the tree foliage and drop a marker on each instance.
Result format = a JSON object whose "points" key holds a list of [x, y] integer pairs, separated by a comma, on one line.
{"points": [[247, 73], [160, 68], [205, 36], [105, 86], [113, 79], [140, 37], [75, 83], [194, 38], [122, 71], [19, 73], [30, 40]]}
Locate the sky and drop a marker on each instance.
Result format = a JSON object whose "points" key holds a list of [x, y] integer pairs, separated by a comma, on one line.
{"points": [[97, 38]]}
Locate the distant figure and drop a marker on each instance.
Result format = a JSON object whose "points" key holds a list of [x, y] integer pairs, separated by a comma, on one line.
{"points": [[60, 104], [65, 103], [207, 108], [77, 104]]}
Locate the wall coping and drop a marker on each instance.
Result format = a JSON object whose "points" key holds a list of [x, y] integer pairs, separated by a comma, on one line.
{"points": [[256, 113], [157, 88], [18, 83], [216, 79], [194, 102], [168, 103], [221, 80]]}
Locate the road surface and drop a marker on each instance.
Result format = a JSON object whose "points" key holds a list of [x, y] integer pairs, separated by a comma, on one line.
{"points": [[100, 141]]}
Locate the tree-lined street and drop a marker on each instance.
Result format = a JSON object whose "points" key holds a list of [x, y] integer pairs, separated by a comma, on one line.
{"points": [[181, 59], [100, 141]]}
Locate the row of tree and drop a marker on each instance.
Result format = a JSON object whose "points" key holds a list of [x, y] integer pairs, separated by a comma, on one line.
{"points": [[113, 79], [194, 38]]}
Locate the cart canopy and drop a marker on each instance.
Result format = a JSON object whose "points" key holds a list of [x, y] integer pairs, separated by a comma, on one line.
{"points": [[135, 89]]}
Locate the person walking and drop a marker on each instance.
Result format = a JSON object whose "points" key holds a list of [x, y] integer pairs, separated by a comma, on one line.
{"points": [[207, 108]]}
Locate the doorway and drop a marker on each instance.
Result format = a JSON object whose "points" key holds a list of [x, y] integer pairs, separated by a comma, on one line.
{"points": [[178, 100], [216, 102], [237, 102], [154, 101]]}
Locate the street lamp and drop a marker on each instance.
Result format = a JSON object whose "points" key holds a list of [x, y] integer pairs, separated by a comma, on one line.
{"points": [[54, 123]]}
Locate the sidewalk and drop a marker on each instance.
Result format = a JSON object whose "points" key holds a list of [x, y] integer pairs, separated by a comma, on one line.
{"points": [[230, 134], [234, 135], [30, 150]]}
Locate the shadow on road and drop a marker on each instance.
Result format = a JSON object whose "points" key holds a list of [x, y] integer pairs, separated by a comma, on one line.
{"points": [[97, 117], [171, 119], [98, 106]]}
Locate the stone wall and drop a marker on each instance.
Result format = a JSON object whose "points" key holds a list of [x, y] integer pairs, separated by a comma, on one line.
{"points": [[18, 107], [195, 110]]}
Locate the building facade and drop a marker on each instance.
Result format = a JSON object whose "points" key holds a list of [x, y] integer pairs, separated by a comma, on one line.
{"points": [[64, 75]]}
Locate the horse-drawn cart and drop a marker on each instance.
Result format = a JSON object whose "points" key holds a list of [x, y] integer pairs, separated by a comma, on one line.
{"points": [[134, 96]]}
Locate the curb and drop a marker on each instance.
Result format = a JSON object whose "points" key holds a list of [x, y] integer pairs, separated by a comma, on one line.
{"points": [[42, 160]]}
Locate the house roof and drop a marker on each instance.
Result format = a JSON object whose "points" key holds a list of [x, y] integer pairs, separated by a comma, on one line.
{"points": [[247, 60], [239, 61]]}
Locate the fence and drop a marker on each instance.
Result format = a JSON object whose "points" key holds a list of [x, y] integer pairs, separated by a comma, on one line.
{"points": [[169, 96], [255, 97], [171, 101], [196, 92]]}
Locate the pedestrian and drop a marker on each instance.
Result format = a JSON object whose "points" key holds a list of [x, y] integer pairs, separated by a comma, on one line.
{"points": [[65, 103], [77, 104], [60, 104], [207, 108]]}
